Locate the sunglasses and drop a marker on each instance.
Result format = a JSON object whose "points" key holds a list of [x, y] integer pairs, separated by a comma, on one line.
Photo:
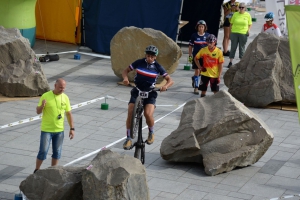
{"points": [[241, 7]]}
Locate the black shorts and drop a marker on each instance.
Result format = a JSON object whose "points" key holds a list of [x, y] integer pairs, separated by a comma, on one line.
{"points": [[204, 83], [226, 22], [194, 66], [150, 100]]}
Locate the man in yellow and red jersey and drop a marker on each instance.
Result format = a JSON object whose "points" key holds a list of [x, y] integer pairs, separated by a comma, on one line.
{"points": [[212, 65]]}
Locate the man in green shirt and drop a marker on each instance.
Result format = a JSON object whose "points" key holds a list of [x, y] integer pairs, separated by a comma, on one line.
{"points": [[53, 104]]}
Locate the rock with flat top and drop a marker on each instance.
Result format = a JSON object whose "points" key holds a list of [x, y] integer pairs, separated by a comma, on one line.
{"points": [[129, 44], [115, 177]]}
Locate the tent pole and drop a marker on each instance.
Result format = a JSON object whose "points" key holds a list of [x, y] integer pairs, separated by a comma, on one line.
{"points": [[178, 29], [83, 28]]}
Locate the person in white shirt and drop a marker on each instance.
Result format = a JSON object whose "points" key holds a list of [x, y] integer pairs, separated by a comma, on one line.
{"points": [[269, 26]]}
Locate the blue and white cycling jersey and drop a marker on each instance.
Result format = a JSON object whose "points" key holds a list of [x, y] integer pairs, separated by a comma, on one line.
{"points": [[198, 42], [147, 74]]}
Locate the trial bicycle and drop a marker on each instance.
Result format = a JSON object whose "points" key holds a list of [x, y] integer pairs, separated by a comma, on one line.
{"points": [[137, 123]]}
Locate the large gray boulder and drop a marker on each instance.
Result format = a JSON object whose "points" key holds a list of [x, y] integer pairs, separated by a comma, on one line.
{"points": [[129, 44], [20, 74], [264, 75], [115, 177], [110, 176], [54, 183], [219, 132]]}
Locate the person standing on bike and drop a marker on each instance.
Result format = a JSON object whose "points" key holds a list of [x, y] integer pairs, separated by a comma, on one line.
{"points": [[147, 71], [197, 42], [212, 66]]}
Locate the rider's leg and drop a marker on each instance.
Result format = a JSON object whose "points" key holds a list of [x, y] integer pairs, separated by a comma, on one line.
{"points": [[242, 43], [129, 115], [128, 143], [148, 113], [226, 39], [214, 85], [195, 78], [234, 43], [134, 94]]}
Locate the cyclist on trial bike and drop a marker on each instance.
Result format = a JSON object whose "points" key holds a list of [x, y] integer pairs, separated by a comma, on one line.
{"points": [[147, 71]]}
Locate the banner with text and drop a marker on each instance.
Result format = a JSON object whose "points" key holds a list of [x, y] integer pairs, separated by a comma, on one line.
{"points": [[294, 2], [293, 24]]}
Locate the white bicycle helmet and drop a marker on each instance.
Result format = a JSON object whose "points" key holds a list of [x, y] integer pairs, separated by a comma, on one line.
{"points": [[200, 22]]}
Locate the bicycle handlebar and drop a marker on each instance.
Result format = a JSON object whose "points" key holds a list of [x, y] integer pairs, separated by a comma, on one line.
{"points": [[156, 89]]}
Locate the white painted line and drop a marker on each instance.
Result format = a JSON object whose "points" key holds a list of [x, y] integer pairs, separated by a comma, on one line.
{"points": [[23, 121], [94, 152], [286, 197], [111, 144]]}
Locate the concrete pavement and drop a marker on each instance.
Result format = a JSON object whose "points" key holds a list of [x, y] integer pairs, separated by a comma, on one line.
{"points": [[275, 175]]}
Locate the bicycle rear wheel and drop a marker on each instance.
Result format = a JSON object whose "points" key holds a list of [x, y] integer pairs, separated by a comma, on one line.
{"points": [[139, 152], [136, 115]]}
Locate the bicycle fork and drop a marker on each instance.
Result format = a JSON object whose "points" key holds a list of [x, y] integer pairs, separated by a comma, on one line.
{"points": [[140, 144]]}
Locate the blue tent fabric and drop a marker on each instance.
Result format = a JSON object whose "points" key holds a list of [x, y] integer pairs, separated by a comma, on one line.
{"points": [[104, 18], [193, 11]]}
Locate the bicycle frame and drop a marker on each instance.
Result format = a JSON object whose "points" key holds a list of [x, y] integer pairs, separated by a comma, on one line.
{"points": [[136, 126]]}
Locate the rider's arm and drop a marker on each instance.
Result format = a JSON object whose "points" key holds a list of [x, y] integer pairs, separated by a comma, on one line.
{"points": [[220, 67], [197, 62], [125, 75], [196, 59], [169, 83], [249, 27], [190, 50]]}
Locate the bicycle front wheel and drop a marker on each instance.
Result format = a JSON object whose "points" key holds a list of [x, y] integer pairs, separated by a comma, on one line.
{"points": [[135, 117], [139, 152]]}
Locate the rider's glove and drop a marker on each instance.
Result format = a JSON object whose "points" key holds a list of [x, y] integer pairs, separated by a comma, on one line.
{"points": [[190, 59]]}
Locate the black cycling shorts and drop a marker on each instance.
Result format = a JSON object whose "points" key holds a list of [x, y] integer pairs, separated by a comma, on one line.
{"points": [[204, 83], [150, 100], [226, 23]]}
